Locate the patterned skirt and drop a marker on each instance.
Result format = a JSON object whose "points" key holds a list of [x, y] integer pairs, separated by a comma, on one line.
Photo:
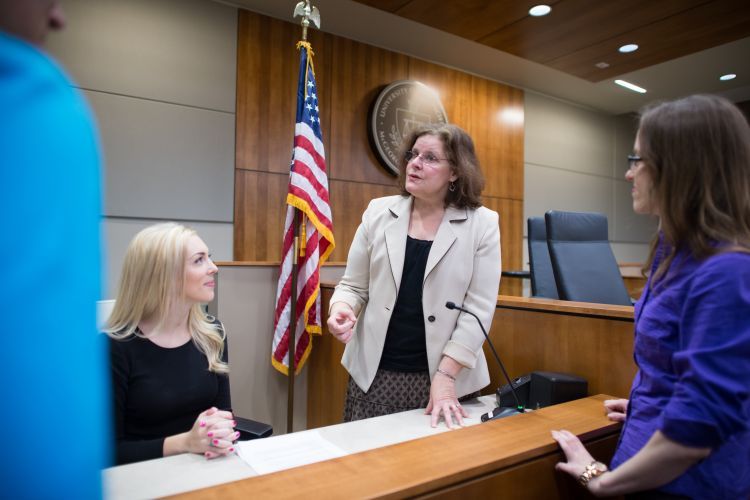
{"points": [[390, 392]]}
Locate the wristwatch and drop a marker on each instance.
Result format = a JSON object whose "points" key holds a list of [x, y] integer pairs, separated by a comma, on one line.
{"points": [[594, 469]]}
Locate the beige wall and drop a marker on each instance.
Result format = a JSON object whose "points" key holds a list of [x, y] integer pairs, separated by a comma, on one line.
{"points": [[160, 76]]}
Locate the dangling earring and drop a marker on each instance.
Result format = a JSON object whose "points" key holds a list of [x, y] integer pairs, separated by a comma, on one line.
{"points": [[452, 186]]}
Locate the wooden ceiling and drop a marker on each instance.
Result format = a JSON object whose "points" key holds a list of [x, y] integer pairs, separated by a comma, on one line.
{"points": [[579, 34]]}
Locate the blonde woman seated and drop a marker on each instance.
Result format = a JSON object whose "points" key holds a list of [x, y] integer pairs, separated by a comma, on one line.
{"points": [[169, 359]]}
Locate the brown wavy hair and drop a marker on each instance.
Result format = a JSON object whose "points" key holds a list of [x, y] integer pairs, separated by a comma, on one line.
{"points": [[459, 149], [697, 152]]}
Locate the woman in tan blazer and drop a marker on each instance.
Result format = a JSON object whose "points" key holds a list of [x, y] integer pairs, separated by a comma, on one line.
{"points": [[411, 254]]}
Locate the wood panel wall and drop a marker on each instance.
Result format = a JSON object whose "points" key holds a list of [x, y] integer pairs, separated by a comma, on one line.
{"points": [[350, 74]]}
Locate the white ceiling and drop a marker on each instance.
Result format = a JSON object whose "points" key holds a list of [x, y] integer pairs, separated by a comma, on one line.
{"points": [[696, 73]]}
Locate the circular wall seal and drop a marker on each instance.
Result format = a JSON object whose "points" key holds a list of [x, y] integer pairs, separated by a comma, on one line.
{"points": [[400, 108]]}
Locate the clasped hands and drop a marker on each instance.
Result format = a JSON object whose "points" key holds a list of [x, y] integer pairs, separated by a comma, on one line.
{"points": [[212, 434]]}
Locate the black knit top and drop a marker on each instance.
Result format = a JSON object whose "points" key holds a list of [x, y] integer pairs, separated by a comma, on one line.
{"points": [[405, 347]]}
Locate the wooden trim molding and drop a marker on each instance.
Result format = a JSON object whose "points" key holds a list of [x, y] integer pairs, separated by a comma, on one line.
{"points": [[565, 307]]}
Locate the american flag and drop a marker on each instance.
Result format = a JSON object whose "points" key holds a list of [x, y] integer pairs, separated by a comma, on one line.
{"points": [[308, 194]]}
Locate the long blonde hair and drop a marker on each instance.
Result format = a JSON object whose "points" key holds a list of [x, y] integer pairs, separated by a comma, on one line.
{"points": [[152, 280]]}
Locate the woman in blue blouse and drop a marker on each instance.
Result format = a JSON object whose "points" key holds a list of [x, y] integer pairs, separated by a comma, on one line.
{"points": [[686, 430]]}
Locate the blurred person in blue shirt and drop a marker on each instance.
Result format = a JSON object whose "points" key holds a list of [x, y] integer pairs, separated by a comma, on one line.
{"points": [[52, 362]]}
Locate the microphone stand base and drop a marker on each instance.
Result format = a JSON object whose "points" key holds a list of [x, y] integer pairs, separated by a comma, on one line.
{"points": [[500, 412]]}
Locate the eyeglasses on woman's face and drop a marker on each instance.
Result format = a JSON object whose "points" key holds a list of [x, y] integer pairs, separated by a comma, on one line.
{"points": [[427, 158], [634, 161]]}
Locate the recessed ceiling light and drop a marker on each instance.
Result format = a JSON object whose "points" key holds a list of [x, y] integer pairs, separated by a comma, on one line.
{"points": [[602, 65], [540, 10], [630, 86], [728, 76], [630, 47]]}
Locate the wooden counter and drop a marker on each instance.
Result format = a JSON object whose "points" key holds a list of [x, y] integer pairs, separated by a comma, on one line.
{"points": [[509, 458]]}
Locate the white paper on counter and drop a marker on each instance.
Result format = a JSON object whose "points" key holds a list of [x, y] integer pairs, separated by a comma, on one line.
{"points": [[289, 450]]}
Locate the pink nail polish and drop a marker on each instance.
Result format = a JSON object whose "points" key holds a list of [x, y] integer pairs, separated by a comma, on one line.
{"points": [[207, 454], [210, 434], [231, 450], [234, 424], [216, 441], [202, 423]]}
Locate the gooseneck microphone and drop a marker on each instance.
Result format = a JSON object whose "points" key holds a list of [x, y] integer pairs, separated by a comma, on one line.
{"points": [[500, 411]]}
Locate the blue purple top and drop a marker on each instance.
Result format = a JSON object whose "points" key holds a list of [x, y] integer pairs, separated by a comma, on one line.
{"points": [[692, 348]]}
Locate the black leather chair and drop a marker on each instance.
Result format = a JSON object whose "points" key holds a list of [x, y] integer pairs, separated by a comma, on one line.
{"points": [[542, 277], [584, 266]]}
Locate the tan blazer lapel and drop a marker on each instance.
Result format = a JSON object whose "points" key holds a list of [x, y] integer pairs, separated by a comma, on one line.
{"points": [[444, 238], [395, 237]]}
